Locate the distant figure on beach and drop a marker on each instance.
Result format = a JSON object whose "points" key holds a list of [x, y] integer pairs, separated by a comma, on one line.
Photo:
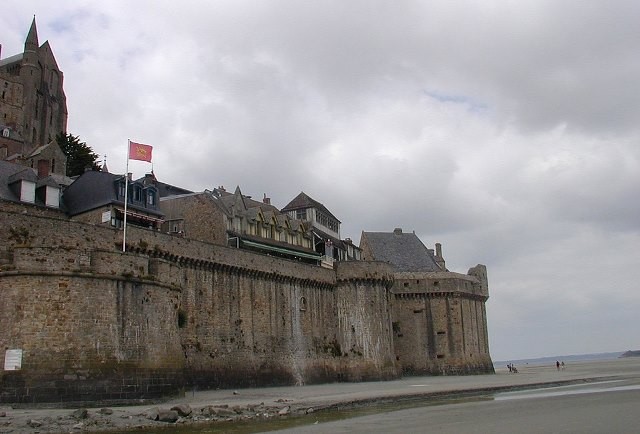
{"points": [[557, 365], [562, 365], [509, 367]]}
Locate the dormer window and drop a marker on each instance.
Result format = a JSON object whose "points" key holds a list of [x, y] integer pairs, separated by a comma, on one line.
{"points": [[137, 194], [23, 185], [150, 195]]}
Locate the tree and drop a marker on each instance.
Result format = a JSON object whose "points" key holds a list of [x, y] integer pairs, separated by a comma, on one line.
{"points": [[80, 156]]}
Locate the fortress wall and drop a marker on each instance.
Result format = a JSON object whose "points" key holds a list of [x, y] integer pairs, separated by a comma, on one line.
{"points": [[45, 230], [85, 338], [412, 333], [284, 331], [96, 323], [364, 320], [453, 334]]}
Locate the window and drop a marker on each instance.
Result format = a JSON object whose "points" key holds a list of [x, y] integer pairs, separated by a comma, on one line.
{"points": [[150, 196], [303, 304], [137, 194], [121, 187], [301, 214]]}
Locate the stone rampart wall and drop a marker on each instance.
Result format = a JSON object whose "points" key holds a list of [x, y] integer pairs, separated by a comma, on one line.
{"points": [[440, 324], [98, 324]]}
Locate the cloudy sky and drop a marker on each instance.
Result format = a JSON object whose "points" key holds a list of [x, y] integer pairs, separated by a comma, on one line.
{"points": [[506, 130]]}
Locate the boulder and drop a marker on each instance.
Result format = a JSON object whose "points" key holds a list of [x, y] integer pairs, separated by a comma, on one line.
{"points": [[152, 413], [182, 409], [170, 416], [34, 423], [80, 413], [285, 411]]}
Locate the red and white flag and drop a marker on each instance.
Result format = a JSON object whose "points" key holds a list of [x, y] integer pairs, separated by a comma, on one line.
{"points": [[138, 151]]}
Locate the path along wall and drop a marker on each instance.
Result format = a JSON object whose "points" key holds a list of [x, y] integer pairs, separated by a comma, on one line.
{"points": [[94, 323]]}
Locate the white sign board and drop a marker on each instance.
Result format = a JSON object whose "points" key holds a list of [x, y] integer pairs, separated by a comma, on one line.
{"points": [[106, 216], [13, 360]]}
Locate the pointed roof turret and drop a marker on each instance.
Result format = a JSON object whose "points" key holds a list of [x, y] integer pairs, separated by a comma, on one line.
{"points": [[303, 201], [239, 205], [104, 167], [32, 36]]}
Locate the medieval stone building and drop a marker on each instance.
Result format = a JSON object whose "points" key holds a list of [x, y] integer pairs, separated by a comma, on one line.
{"points": [[439, 317], [33, 105]]}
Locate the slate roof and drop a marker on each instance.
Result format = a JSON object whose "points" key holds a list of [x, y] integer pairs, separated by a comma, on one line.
{"points": [[165, 189], [95, 189], [8, 174], [324, 236], [404, 251], [12, 59], [303, 201], [229, 200]]}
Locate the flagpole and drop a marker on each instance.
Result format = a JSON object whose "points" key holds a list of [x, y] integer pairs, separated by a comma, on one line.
{"points": [[126, 197]]}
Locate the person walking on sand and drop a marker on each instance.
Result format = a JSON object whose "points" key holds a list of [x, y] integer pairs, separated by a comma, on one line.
{"points": [[557, 365]]}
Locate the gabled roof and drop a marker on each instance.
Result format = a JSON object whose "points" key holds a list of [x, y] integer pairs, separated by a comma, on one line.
{"points": [[404, 251], [95, 189], [26, 174], [303, 201], [8, 172], [48, 181], [238, 203], [39, 149]]}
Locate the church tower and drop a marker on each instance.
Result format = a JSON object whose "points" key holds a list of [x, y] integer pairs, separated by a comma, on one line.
{"points": [[33, 105]]}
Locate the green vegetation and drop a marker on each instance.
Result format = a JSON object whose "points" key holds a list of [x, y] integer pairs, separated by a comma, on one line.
{"points": [[79, 155]]}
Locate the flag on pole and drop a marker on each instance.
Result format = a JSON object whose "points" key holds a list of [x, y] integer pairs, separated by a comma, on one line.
{"points": [[138, 151]]}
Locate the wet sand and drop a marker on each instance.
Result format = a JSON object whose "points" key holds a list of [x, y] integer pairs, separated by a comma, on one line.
{"points": [[229, 406]]}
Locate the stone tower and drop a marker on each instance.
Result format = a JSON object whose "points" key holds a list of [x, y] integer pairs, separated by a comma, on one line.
{"points": [[33, 105]]}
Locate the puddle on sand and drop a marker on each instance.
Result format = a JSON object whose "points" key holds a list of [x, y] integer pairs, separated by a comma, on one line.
{"points": [[542, 393], [279, 423]]}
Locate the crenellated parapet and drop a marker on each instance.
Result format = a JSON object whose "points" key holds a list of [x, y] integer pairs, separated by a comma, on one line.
{"points": [[443, 283], [365, 271]]}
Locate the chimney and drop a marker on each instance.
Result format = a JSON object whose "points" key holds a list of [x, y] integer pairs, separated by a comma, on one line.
{"points": [[439, 259], [43, 168], [266, 200], [397, 231], [130, 176]]}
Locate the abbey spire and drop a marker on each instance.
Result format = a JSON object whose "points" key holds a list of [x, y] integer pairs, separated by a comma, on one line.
{"points": [[31, 43]]}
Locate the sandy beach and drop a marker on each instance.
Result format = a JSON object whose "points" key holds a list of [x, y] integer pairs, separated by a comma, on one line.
{"points": [[229, 406]]}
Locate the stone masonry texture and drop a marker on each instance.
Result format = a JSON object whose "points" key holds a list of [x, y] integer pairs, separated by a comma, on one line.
{"points": [[97, 324]]}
